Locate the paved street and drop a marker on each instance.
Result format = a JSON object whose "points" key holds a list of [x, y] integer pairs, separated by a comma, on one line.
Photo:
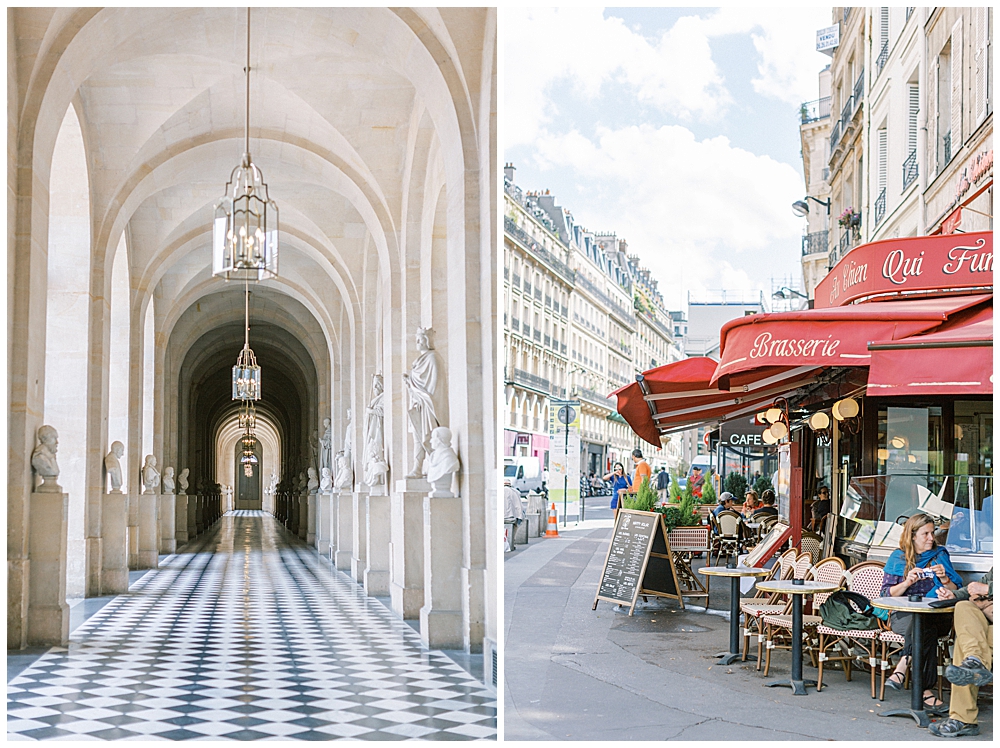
{"points": [[575, 674]]}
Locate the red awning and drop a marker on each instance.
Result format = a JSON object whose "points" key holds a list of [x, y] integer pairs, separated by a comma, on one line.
{"points": [[679, 395], [954, 359], [836, 336]]}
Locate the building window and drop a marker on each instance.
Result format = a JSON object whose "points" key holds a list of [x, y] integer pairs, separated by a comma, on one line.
{"points": [[882, 146], [943, 108], [913, 110]]}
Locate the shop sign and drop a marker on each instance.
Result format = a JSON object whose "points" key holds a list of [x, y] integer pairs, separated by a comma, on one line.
{"points": [[522, 440], [973, 174], [828, 38], [952, 222], [742, 433], [925, 263]]}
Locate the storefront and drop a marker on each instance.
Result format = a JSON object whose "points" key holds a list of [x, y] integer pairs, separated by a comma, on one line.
{"points": [[882, 393]]}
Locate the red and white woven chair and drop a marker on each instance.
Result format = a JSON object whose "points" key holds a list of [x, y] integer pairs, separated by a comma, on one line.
{"points": [[756, 607], [779, 625], [865, 579]]}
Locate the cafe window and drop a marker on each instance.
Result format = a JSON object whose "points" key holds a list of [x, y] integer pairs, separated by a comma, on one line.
{"points": [[910, 448]]}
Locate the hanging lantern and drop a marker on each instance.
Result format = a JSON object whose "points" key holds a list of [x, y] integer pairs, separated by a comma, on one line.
{"points": [[846, 408], [246, 376], [772, 415], [248, 414], [819, 421], [768, 437], [778, 430], [245, 229]]}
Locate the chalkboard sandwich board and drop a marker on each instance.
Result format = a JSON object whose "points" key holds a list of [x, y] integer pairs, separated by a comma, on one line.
{"points": [[639, 561]]}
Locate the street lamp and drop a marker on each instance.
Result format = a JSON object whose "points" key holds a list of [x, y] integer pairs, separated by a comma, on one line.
{"points": [[788, 293], [801, 207]]}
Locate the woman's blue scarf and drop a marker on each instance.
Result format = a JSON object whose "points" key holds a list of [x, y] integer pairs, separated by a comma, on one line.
{"points": [[896, 564]]}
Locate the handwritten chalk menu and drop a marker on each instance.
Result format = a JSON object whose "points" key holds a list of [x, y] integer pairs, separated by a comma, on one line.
{"points": [[628, 559]]}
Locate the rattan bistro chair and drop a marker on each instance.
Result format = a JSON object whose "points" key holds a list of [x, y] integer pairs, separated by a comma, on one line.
{"points": [[865, 579], [756, 607], [730, 539], [813, 543]]}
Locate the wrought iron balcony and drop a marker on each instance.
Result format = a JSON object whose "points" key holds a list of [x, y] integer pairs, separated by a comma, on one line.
{"points": [[859, 89], [811, 111], [527, 287], [910, 169], [538, 294], [511, 228], [834, 135], [815, 243], [846, 113], [532, 380], [946, 147], [880, 207], [515, 324], [515, 280], [883, 57]]}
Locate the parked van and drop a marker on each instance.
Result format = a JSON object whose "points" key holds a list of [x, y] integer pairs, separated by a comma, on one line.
{"points": [[525, 474]]}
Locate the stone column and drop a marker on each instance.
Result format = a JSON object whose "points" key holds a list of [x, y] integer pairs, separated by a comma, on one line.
{"points": [[359, 537], [192, 517], [133, 531], [293, 513], [406, 552], [149, 536], [168, 522], [114, 556], [441, 614], [345, 529], [94, 547], [311, 518], [376, 577], [303, 499], [324, 504], [199, 513], [48, 613], [181, 519]]}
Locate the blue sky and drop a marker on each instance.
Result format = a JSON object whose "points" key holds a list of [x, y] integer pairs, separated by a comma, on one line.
{"points": [[676, 128]]}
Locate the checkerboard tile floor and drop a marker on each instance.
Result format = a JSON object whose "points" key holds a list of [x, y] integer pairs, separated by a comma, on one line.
{"points": [[244, 635]]}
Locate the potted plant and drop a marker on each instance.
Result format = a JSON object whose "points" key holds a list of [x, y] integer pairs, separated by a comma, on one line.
{"points": [[849, 219], [643, 500]]}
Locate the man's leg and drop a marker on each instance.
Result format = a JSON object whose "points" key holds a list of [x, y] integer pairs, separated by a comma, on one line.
{"points": [[973, 638]]}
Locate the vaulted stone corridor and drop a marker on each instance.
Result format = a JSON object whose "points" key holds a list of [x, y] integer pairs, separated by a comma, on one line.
{"points": [[375, 444]]}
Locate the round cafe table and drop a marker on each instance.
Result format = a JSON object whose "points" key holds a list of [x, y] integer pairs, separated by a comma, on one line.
{"points": [[918, 610], [728, 658], [797, 591]]}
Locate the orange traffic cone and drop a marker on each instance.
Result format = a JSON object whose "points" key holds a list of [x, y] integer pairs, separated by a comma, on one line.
{"points": [[552, 531]]}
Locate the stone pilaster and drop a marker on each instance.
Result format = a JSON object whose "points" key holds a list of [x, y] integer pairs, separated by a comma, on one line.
{"points": [[114, 557], [168, 522], [406, 548], [192, 517], [94, 547], [303, 531], [149, 536], [441, 614], [133, 531], [199, 514], [48, 613], [181, 519], [293, 513], [359, 535], [324, 525], [376, 577], [345, 530]]}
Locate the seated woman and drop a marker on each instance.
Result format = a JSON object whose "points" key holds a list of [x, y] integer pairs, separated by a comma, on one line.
{"points": [[750, 503], [919, 567], [619, 482]]}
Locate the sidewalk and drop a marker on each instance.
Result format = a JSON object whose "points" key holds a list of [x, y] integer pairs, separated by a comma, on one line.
{"points": [[571, 673]]}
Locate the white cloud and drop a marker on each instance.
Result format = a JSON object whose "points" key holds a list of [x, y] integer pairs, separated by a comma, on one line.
{"points": [[694, 210]]}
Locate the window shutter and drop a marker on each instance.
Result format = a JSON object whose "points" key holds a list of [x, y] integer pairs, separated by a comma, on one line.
{"points": [[911, 122], [883, 27], [956, 87], [979, 19], [883, 155]]}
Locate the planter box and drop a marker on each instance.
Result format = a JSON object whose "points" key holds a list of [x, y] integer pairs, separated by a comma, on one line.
{"points": [[688, 539]]}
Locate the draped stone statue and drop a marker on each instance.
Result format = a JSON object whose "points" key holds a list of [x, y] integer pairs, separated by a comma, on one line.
{"points": [[313, 484], [325, 481], [314, 449], [345, 474], [43, 460], [113, 466], [326, 446], [420, 383], [303, 482], [349, 436], [182, 480], [168, 480], [150, 475], [375, 464], [272, 485], [442, 462]]}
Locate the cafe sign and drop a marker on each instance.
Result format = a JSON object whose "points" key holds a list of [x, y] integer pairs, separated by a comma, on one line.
{"points": [[742, 433], [895, 266]]}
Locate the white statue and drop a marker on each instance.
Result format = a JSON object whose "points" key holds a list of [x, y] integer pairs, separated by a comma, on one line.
{"points": [[442, 462], [345, 474], [349, 435], [313, 484], [303, 482], [43, 460], [420, 382], [325, 446], [168, 480], [314, 449], [150, 476], [182, 480], [228, 491], [325, 481], [113, 466], [272, 484], [376, 467]]}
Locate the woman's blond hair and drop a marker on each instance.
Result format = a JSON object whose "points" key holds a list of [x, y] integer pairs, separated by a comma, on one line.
{"points": [[913, 524]]}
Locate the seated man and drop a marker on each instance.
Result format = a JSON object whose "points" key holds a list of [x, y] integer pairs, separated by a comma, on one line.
{"points": [[726, 501], [769, 509], [820, 508], [974, 652]]}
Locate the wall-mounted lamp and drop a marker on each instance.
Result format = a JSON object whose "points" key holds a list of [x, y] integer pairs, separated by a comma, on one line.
{"points": [[801, 207]]}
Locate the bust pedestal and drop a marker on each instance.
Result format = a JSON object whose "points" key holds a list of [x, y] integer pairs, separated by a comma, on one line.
{"points": [[133, 531], [359, 535], [149, 536], [441, 614], [168, 519], [181, 519], [200, 514], [304, 516], [324, 503], [376, 577], [192, 516], [343, 506], [293, 513], [406, 505], [48, 613], [114, 551]]}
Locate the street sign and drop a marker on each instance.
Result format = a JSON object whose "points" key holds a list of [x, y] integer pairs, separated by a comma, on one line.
{"points": [[566, 414]]}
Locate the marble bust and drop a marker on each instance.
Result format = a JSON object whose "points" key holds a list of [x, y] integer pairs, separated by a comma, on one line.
{"points": [[313, 484], [345, 476], [325, 480], [325, 446], [150, 475], [43, 460], [442, 463], [113, 466], [168, 480], [182, 480]]}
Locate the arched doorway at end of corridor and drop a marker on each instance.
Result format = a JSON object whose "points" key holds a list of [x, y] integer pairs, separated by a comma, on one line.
{"points": [[249, 489]]}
